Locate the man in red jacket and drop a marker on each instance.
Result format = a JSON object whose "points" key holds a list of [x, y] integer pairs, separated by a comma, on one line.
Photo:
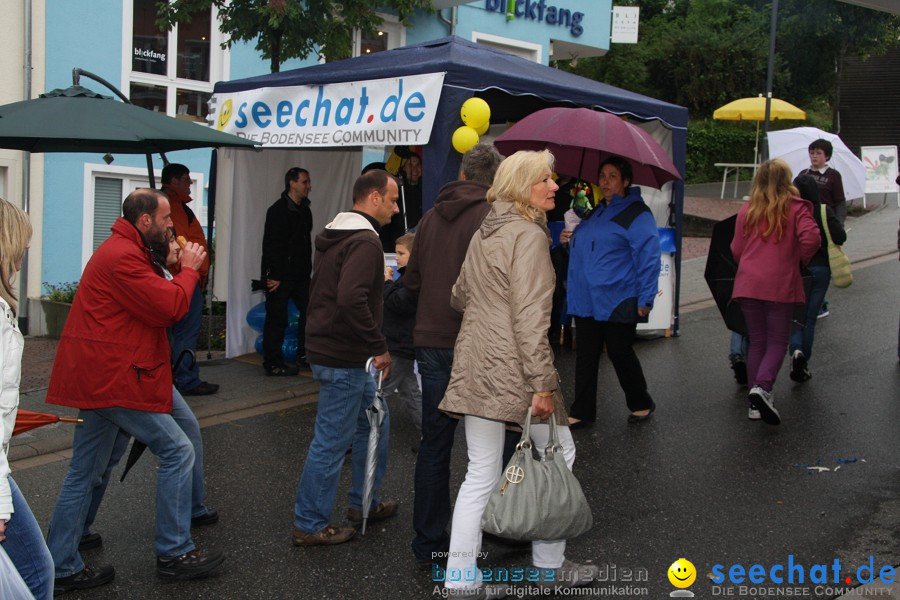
{"points": [[113, 365], [176, 185]]}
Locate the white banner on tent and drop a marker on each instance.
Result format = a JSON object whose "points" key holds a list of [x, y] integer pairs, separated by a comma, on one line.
{"points": [[398, 110]]}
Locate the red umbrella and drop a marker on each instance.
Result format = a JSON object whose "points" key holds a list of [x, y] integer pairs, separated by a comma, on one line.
{"points": [[26, 419], [581, 139]]}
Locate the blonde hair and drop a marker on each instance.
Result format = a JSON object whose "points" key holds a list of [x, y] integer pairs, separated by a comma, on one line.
{"points": [[15, 233], [514, 178], [406, 240], [770, 198]]}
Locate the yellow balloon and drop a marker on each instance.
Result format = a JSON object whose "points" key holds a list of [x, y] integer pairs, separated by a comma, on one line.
{"points": [[475, 112], [464, 138], [483, 129]]}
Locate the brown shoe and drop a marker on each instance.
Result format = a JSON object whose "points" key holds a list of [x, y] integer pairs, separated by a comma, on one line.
{"points": [[328, 536], [384, 510]]}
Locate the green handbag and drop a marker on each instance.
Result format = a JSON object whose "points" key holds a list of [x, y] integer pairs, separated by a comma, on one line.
{"points": [[841, 271], [537, 499]]}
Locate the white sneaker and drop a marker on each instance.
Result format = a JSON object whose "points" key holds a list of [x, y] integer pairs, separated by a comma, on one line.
{"points": [[764, 402], [753, 414]]}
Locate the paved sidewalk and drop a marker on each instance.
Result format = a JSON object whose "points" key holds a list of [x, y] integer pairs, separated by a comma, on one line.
{"points": [[245, 390]]}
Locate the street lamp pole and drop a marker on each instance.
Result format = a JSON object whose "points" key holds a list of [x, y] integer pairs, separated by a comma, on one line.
{"points": [[773, 29]]}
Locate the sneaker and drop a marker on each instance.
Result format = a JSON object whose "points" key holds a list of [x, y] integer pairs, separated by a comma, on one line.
{"points": [[210, 517], [88, 577], [763, 401], [740, 370], [571, 575], [823, 312], [326, 537], [191, 565], [384, 510], [204, 389], [753, 414], [89, 542], [799, 367]]}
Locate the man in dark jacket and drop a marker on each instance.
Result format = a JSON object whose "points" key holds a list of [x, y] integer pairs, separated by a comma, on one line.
{"points": [[343, 331], [442, 239], [286, 267]]}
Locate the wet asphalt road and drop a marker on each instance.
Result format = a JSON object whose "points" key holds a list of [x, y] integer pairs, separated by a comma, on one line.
{"points": [[698, 480]]}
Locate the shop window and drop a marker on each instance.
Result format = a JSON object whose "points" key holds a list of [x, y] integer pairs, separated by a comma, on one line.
{"points": [[389, 35], [173, 71]]}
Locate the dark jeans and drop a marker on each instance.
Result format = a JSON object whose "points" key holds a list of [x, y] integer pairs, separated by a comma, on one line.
{"points": [[184, 337], [277, 320], [431, 508], [802, 337], [618, 337]]}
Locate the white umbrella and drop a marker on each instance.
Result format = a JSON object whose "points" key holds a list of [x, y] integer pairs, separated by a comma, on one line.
{"points": [[792, 146]]}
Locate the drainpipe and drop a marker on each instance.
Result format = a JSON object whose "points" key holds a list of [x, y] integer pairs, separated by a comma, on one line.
{"points": [[26, 176], [451, 22]]}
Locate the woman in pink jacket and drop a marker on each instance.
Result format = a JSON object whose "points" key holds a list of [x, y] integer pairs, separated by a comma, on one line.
{"points": [[774, 234]]}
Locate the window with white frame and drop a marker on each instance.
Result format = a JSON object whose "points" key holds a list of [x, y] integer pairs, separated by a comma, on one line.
{"points": [[172, 72], [389, 35]]}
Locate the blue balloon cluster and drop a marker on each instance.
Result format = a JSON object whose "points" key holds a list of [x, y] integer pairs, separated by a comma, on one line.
{"points": [[256, 319]]}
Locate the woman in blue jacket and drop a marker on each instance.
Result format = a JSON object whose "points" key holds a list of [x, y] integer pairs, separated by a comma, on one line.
{"points": [[613, 281]]}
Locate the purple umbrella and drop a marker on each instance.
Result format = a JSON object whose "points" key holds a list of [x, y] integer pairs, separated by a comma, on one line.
{"points": [[581, 139]]}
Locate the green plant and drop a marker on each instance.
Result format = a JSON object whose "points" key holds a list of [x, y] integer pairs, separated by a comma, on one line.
{"points": [[61, 292]]}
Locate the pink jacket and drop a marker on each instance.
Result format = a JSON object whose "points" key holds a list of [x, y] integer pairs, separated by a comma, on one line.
{"points": [[769, 269]]}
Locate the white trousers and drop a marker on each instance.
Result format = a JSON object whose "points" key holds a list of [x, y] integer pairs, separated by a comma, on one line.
{"points": [[484, 438]]}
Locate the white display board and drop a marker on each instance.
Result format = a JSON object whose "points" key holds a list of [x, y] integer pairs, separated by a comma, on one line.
{"points": [[881, 169]]}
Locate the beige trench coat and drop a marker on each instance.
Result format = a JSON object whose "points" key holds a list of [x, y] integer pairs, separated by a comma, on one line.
{"points": [[505, 292]]}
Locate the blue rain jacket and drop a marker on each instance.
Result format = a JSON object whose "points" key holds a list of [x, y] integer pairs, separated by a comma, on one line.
{"points": [[614, 261]]}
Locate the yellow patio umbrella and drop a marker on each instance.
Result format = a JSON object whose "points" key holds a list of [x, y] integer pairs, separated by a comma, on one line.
{"points": [[754, 109]]}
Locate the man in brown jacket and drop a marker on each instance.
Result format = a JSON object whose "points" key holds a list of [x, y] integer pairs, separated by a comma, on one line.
{"points": [[343, 330], [442, 239]]}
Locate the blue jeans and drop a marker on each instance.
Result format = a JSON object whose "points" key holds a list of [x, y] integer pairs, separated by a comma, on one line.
{"points": [[25, 546], [802, 338], [184, 337], [431, 508], [95, 439], [738, 347], [186, 420], [344, 396]]}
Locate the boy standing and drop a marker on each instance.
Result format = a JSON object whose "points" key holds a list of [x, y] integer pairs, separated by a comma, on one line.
{"points": [[399, 321], [831, 186]]}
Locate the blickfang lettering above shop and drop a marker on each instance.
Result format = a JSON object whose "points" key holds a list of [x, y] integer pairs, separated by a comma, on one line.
{"points": [[397, 110], [538, 10]]}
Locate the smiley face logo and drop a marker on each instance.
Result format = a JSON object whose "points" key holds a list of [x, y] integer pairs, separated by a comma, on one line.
{"points": [[224, 115], [682, 573]]}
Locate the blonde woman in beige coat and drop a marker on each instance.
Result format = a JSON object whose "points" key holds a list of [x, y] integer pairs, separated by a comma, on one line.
{"points": [[502, 362]]}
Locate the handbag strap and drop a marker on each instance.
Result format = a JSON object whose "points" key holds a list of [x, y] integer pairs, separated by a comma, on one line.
{"points": [[825, 224], [525, 440]]}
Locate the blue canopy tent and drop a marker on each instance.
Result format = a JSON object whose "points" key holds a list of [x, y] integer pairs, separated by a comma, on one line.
{"points": [[512, 86]]}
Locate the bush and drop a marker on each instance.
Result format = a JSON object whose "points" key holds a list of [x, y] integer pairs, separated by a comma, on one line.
{"points": [[61, 292], [710, 142]]}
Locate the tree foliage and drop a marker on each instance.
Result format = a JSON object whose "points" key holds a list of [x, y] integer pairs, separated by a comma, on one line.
{"points": [[704, 53], [285, 29]]}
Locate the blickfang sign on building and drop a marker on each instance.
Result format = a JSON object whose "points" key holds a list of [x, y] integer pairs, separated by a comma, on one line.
{"points": [[381, 112], [538, 10]]}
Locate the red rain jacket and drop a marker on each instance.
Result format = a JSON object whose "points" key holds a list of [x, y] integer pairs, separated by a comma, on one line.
{"points": [[113, 351]]}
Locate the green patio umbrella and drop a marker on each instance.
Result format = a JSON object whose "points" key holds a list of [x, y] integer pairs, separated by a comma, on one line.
{"points": [[77, 119]]}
